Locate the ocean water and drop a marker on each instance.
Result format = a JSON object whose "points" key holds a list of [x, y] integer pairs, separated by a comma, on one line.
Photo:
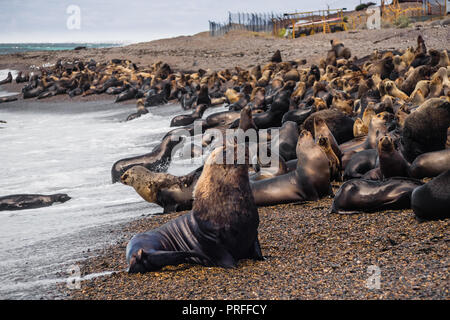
{"points": [[6, 48], [56, 147]]}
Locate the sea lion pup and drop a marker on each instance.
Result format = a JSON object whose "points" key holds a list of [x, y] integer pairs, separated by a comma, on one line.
{"points": [[168, 191], [425, 129], [430, 164], [360, 195], [308, 182], [140, 110], [334, 163], [431, 201], [221, 229], [31, 201], [8, 79], [186, 119], [392, 163], [158, 160]]}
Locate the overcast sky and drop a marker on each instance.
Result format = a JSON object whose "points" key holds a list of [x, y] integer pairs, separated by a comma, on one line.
{"points": [[132, 20]]}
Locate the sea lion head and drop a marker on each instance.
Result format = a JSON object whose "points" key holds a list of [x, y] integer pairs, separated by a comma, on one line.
{"points": [[61, 197], [145, 182], [385, 144]]}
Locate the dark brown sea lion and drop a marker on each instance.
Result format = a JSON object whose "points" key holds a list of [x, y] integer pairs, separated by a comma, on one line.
{"points": [[8, 79], [298, 115], [310, 181], [425, 129], [8, 99], [287, 140], [280, 105], [158, 160], [141, 109], [430, 164], [168, 191], [340, 125], [359, 195], [361, 163], [221, 229], [431, 201], [392, 163], [186, 119], [30, 201]]}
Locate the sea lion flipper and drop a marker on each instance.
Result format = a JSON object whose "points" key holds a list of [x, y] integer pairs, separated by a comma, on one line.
{"points": [[255, 251], [159, 259]]}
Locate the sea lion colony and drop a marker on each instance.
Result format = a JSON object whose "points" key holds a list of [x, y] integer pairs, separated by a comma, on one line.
{"points": [[381, 122]]}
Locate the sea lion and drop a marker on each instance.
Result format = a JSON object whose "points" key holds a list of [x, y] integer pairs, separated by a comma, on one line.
{"points": [[321, 129], [8, 99], [359, 128], [359, 195], [425, 130], [30, 201], [8, 79], [431, 201], [280, 105], [140, 110], [310, 180], [287, 140], [361, 163], [430, 164], [298, 115], [168, 191], [270, 171], [221, 229], [186, 119], [158, 160], [340, 125], [392, 163], [334, 163]]}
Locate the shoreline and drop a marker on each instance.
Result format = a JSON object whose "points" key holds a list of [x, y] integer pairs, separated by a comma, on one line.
{"points": [[238, 48]]}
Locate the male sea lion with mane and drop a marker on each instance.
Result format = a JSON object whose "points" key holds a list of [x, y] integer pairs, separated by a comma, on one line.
{"points": [[221, 229]]}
